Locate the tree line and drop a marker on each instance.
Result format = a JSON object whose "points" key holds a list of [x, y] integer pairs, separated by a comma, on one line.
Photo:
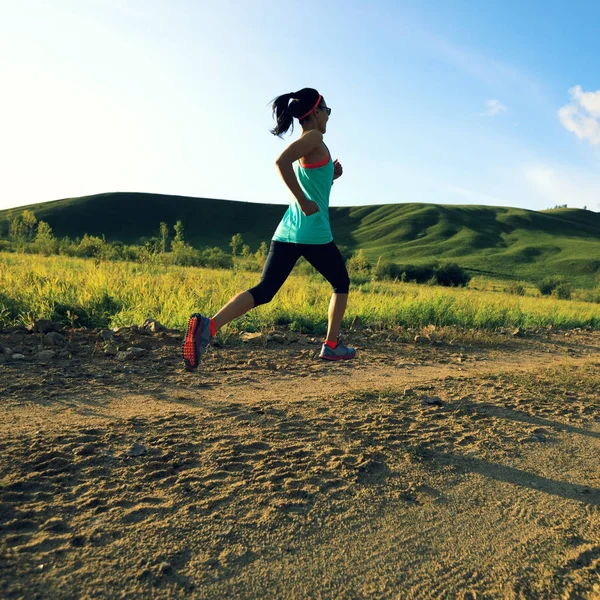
{"points": [[169, 247]]}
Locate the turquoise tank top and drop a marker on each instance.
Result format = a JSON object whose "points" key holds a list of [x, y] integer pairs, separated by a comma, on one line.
{"points": [[296, 227]]}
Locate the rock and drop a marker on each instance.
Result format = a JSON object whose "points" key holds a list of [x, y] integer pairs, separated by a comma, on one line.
{"points": [[45, 326], [7, 351], [18, 356], [107, 335], [137, 352], [277, 337], [152, 326], [136, 450], [45, 355], [431, 401], [120, 330], [518, 332], [3, 358], [252, 338], [421, 339], [111, 349], [54, 339], [292, 336], [131, 353]]}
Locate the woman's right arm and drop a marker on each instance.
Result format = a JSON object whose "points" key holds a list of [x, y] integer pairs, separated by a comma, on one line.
{"points": [[295, 151]]}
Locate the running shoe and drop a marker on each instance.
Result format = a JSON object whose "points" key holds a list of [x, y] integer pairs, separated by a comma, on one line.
{"points": [[340, 352], [196, 340]]}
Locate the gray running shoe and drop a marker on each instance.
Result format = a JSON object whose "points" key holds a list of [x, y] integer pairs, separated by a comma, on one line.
{"points": [[340, 352], [196, 340]]}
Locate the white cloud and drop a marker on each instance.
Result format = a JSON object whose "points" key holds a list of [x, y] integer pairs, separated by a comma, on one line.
{"points": [[582, 116], [493, 108]]}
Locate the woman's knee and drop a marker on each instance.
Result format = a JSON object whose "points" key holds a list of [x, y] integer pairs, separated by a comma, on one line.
{"points": [[261, 295], [342, 286]]}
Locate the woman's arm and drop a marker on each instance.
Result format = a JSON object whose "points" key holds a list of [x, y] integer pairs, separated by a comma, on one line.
{"points": [[295, 151]]}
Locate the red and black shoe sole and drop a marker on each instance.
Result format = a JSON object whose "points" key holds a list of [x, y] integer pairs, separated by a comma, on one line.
{"points": [[190, 353]]}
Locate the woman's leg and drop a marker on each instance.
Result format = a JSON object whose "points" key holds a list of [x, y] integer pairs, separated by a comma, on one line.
{"points": [[239, 305], [337, 309], [328, 260], [279, 264]]}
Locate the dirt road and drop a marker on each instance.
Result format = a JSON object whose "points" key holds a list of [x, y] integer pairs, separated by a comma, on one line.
{"points": [[463, 467]]}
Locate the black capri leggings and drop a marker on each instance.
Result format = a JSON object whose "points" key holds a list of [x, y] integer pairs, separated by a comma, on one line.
{"points": [[325, 258]]}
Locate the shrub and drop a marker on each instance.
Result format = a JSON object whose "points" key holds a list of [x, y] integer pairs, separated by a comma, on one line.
{"points": [[215, 258], [90, 246], [184, 255], [548, 285], [562, 291], [358, 264], [516, 288], [450, 274]]}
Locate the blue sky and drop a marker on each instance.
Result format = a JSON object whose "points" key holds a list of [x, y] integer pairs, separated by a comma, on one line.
{"points": [[444, 101]]}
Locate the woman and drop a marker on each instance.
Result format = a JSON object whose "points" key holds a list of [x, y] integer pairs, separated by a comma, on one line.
{"points": [[308, 170]]}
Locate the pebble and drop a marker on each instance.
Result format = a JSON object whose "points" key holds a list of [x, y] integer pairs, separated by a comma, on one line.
{"points": [[53, 339], [45, 355], [152, 326], [432, 401], [111, 349], [136, 450]]}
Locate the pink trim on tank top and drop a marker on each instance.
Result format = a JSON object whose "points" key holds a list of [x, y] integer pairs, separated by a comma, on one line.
{"points": [[316, 165]]}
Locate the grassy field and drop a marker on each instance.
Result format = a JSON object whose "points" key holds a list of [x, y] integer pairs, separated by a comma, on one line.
{"points": [[88, 293], [500, 241]]}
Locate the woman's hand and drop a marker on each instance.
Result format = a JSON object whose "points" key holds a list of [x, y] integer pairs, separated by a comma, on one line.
{"points": [[337, 169], [309, 207]]}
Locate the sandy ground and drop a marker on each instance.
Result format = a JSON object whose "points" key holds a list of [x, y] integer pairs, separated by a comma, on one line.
{"points": [[456, 468]]}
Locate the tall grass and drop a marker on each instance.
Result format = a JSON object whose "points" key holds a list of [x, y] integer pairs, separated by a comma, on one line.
{"points": [[90, 293]]}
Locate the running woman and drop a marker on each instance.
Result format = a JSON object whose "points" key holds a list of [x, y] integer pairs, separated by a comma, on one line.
{"points": [[308, 171]]}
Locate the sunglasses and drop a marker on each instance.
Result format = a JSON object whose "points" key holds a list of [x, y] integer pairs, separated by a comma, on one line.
{"points": [[326, 109]]}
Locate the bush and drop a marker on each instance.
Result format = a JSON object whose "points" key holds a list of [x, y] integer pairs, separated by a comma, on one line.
{"points": [[358, 264], [450, 274], [215, 258], [90, 247], [562, 291], [184, 255], [516, 288], [548, 285]]}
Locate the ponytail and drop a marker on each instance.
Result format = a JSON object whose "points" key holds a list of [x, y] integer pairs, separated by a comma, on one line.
{"points": [[282, 114], [302, 104]]}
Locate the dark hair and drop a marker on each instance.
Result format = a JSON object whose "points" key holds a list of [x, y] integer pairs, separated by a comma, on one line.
{"points": [[284, 111]]}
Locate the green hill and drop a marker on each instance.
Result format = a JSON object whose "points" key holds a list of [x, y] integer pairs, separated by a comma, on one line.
{"points": [[497, 240]]}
